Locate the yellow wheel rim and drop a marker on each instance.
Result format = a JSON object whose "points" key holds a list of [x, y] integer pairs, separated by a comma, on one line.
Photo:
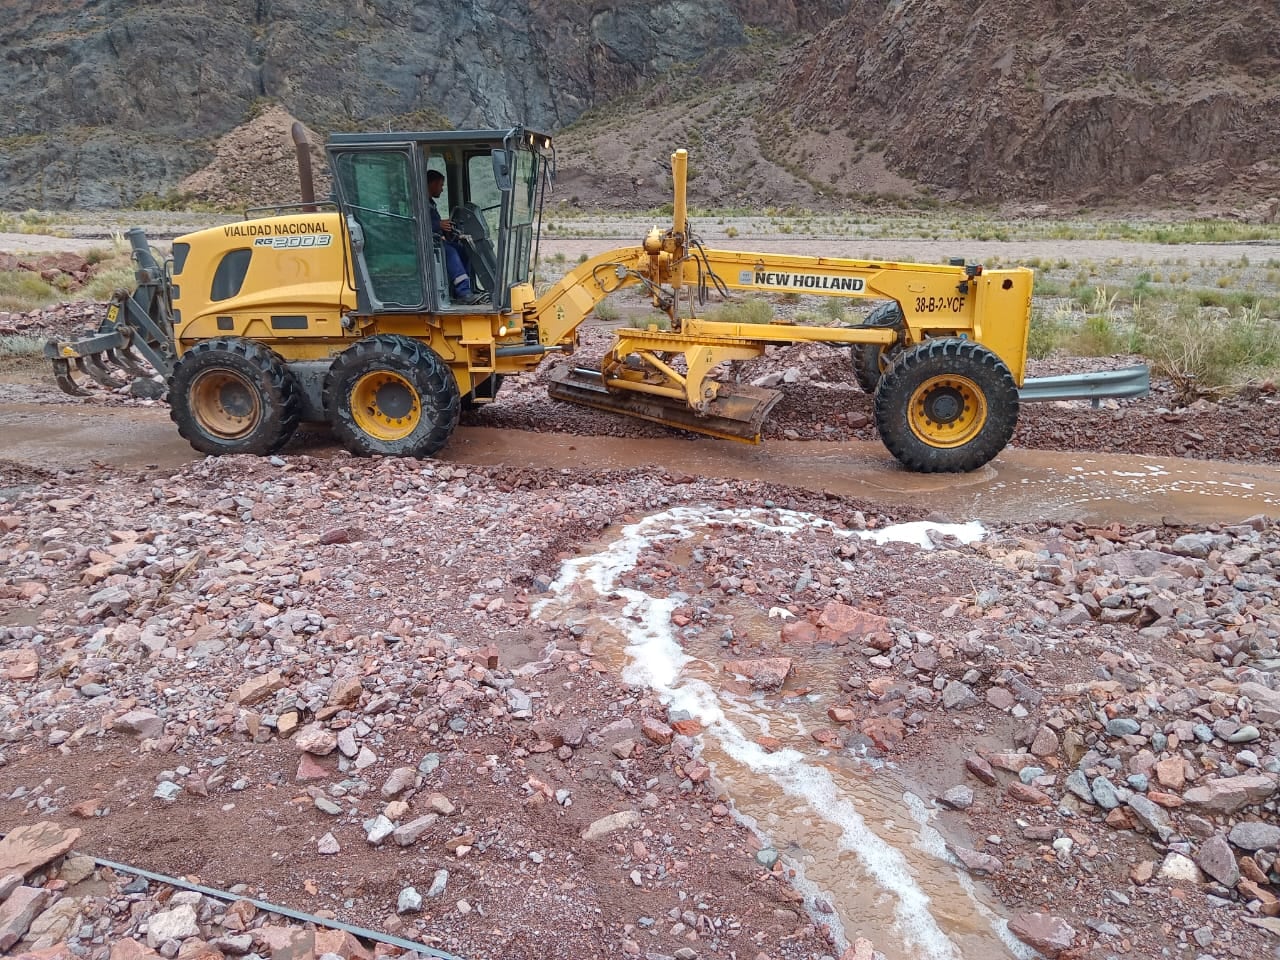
{"points": [[225, 403], [385, 405], [947, 411]]}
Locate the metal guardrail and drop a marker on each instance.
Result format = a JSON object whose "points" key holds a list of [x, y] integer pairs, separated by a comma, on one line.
{"points": [[1128, 382]]}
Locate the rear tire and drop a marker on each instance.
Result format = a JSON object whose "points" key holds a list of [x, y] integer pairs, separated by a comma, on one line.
{"points": [[391, 396], [871, 360], [232, 395], [946, 406]]}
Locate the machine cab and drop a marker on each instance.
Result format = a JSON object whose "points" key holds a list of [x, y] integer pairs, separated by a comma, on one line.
{"points": [[491, 191]]}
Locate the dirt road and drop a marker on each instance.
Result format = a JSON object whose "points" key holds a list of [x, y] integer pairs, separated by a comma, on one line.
{"points": [[1020, 485]]}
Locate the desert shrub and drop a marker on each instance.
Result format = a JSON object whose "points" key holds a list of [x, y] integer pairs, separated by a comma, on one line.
{"points": [[105, 282], [21, 346], [1047, 334], [750, 310], [607, 310], [22, 290], [1206, 352]]}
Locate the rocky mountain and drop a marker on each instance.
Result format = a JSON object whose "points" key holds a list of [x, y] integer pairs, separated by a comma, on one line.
{"points": [[107, 100], [820, 103], [1150, 100]]}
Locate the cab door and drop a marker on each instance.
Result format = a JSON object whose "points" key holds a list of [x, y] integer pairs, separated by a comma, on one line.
{"points": [[378, 189]]}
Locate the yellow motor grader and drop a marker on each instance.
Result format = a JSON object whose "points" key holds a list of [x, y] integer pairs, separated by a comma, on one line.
{"points": [[345, 312]]}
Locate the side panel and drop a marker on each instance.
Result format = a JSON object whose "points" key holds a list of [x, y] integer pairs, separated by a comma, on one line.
{"points": [[277, 278]]}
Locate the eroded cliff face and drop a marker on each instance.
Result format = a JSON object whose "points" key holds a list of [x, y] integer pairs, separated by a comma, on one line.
{"points": [[110, 99], [1085, 99], [1061, 100]]}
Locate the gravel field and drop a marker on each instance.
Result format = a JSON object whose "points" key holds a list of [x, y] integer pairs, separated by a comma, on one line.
{"points": [[516, 712]]}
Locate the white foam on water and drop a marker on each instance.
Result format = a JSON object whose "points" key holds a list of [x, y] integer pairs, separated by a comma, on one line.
{"points": [[931, 842], [918, 533], [657, 660]]}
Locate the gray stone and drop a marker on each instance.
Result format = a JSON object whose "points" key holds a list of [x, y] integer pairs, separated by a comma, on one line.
{"points": [[176, 924], [1229, 794], [767, 857], [17, 912], [328, 845], [409, 901], [438, 883], [622, 820], [1244, 735], [401, 779], [1150, 816], [1255, 835], [958, 798], [1104, 793], [139, 723], [1216, 859], [1078, 784], [958, 696], [378, 829], [1123, 726], [411, 831]]}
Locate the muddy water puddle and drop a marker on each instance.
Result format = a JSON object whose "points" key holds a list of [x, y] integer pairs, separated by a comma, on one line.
{"points": [[1019, 485], [863, 844]]}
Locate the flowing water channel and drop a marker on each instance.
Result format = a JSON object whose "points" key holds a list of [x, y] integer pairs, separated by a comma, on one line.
{"points": [[858, 836]]}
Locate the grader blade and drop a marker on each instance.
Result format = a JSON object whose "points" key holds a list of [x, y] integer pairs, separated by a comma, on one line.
{"points": [[737, 413]]}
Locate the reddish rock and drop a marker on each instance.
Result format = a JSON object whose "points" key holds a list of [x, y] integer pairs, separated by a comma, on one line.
{"points": [[17, 912], [769, 744], [981, 769], [1229, 794], [1000, 698], [885, 732], [345, 692], [1028, 794], [1169, 801], [1142, 872], [259, 688], [800, 632], [1012, 762], [656, 730], [768, 673], [840, 714], [1046, 742], [1049, 934], [843, 622], [309, 768], [687, 727], [1171, 773], [30, 846]]}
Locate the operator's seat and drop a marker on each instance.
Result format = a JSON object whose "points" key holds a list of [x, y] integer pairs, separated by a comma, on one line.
{"points": [[468, 220]]}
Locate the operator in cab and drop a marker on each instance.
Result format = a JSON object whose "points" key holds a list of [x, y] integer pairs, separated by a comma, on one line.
{"points": [[459, 279]]}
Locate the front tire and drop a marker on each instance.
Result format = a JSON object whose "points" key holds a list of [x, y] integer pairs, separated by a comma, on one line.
{"points": [[946, 406], [871, 360], [391, 396], [232, 395]]}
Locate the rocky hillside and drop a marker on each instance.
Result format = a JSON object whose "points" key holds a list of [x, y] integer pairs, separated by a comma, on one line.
{"points": [[830, 102], [1149, 100], [111, 99]]}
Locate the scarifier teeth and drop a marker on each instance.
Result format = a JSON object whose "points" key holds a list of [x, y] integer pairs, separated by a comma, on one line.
{"points": [[132, 363], [66, 381], [97, 369]]}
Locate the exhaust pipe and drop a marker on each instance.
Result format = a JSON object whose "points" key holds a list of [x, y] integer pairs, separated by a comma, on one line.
{"points": [[303, 148]]}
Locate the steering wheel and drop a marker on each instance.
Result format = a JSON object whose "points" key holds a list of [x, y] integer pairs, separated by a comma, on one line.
{"points": [[467, 220]]}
